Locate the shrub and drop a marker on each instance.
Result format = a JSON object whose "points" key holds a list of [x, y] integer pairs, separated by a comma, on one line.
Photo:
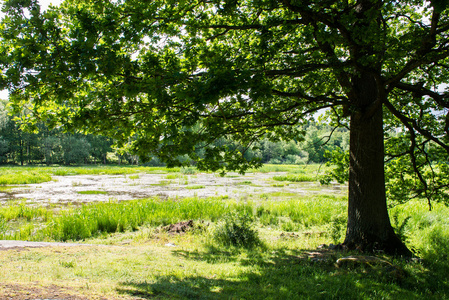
{"points": [[236, 229]]}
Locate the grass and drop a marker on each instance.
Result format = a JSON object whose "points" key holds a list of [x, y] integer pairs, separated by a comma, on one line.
{"points": [[139, 264], [92, 192], [134, 257], [195, 187], [33, 175], [24, 176], [295, 177]]}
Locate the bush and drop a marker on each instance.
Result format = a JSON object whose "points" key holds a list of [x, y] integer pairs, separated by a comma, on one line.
{"points": [[236, 229]]}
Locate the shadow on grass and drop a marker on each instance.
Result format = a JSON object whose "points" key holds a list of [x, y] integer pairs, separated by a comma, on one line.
{"points": [[294, 275]]}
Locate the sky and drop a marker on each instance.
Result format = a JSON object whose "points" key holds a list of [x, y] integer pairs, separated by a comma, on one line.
{"points": [[44, 4]]}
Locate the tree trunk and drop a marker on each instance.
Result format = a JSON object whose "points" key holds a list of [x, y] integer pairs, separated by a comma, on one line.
{"points": [[369, 227]]}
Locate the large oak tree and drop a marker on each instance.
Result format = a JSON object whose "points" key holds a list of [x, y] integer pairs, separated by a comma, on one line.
{"points": [[173, 77]]}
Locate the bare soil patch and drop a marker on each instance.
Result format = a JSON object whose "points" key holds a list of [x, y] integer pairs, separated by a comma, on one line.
{"points": [[10, 244], [36, 291]]}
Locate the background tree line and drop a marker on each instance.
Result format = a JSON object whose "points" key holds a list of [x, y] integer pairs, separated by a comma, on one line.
{"points": [[54, 146]]}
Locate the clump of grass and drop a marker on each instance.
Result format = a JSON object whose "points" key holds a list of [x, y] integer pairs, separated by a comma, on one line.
{"points": [[188, 171], [92, 192], [162, 183], [175, 176], [279, 184], [236, 229], [195, 187], [295, 178], [245, 182], [67, 264]]}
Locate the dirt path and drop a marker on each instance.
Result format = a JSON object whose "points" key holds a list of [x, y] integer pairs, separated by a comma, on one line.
{"points": [[8, 244]]}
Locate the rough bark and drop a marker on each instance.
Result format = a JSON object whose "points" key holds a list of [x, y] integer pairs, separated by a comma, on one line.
{"points": [[369, 228]]}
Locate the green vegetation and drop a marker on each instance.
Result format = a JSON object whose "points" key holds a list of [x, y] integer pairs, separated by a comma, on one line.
{"points": [[295, 178], [28, 175], [92, 192], [264, 246], [16, 211], [236, 229], [260, 249], [23, 175], [195, 187]]}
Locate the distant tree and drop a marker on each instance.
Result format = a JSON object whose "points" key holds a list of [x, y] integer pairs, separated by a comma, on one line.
{"points": [[52, 148], [4, 149], [76, 149], [100, 147]]}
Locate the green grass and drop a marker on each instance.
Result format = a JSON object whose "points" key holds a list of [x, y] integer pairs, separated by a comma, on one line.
{"points": [[30, 175], [245, 182], [294, 169], [176, 176], [195, 187], [280, 266], [21, 210], [295, 178], [23, 176], [92, 192], [285, 264]]}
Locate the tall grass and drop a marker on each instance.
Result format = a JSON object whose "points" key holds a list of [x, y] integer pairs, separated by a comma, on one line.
{"points": [[425, 232], [94, 219], [302, 213], [79, 223], [22, 211]]}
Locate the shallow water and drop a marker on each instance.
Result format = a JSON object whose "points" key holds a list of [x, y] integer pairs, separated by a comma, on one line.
{"points": [[65, 189]]}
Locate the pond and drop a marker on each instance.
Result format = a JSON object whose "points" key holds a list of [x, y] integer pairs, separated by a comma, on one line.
{"points": [[89, 188]]}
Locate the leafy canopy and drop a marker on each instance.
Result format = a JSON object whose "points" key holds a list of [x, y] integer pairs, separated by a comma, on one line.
{"points": [[172, 77]]}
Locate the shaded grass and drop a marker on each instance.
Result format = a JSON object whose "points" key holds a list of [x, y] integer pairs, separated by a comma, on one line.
{"points": [[145, 268]]}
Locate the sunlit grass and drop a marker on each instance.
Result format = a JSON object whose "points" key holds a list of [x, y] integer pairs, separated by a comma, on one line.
{"points": [[195, 187], [145, 261], [23, 176], [33, 175], [295, 178], [92, 192]]}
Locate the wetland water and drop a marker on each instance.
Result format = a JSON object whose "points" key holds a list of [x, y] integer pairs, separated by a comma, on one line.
{"points": [[89, 188]]}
